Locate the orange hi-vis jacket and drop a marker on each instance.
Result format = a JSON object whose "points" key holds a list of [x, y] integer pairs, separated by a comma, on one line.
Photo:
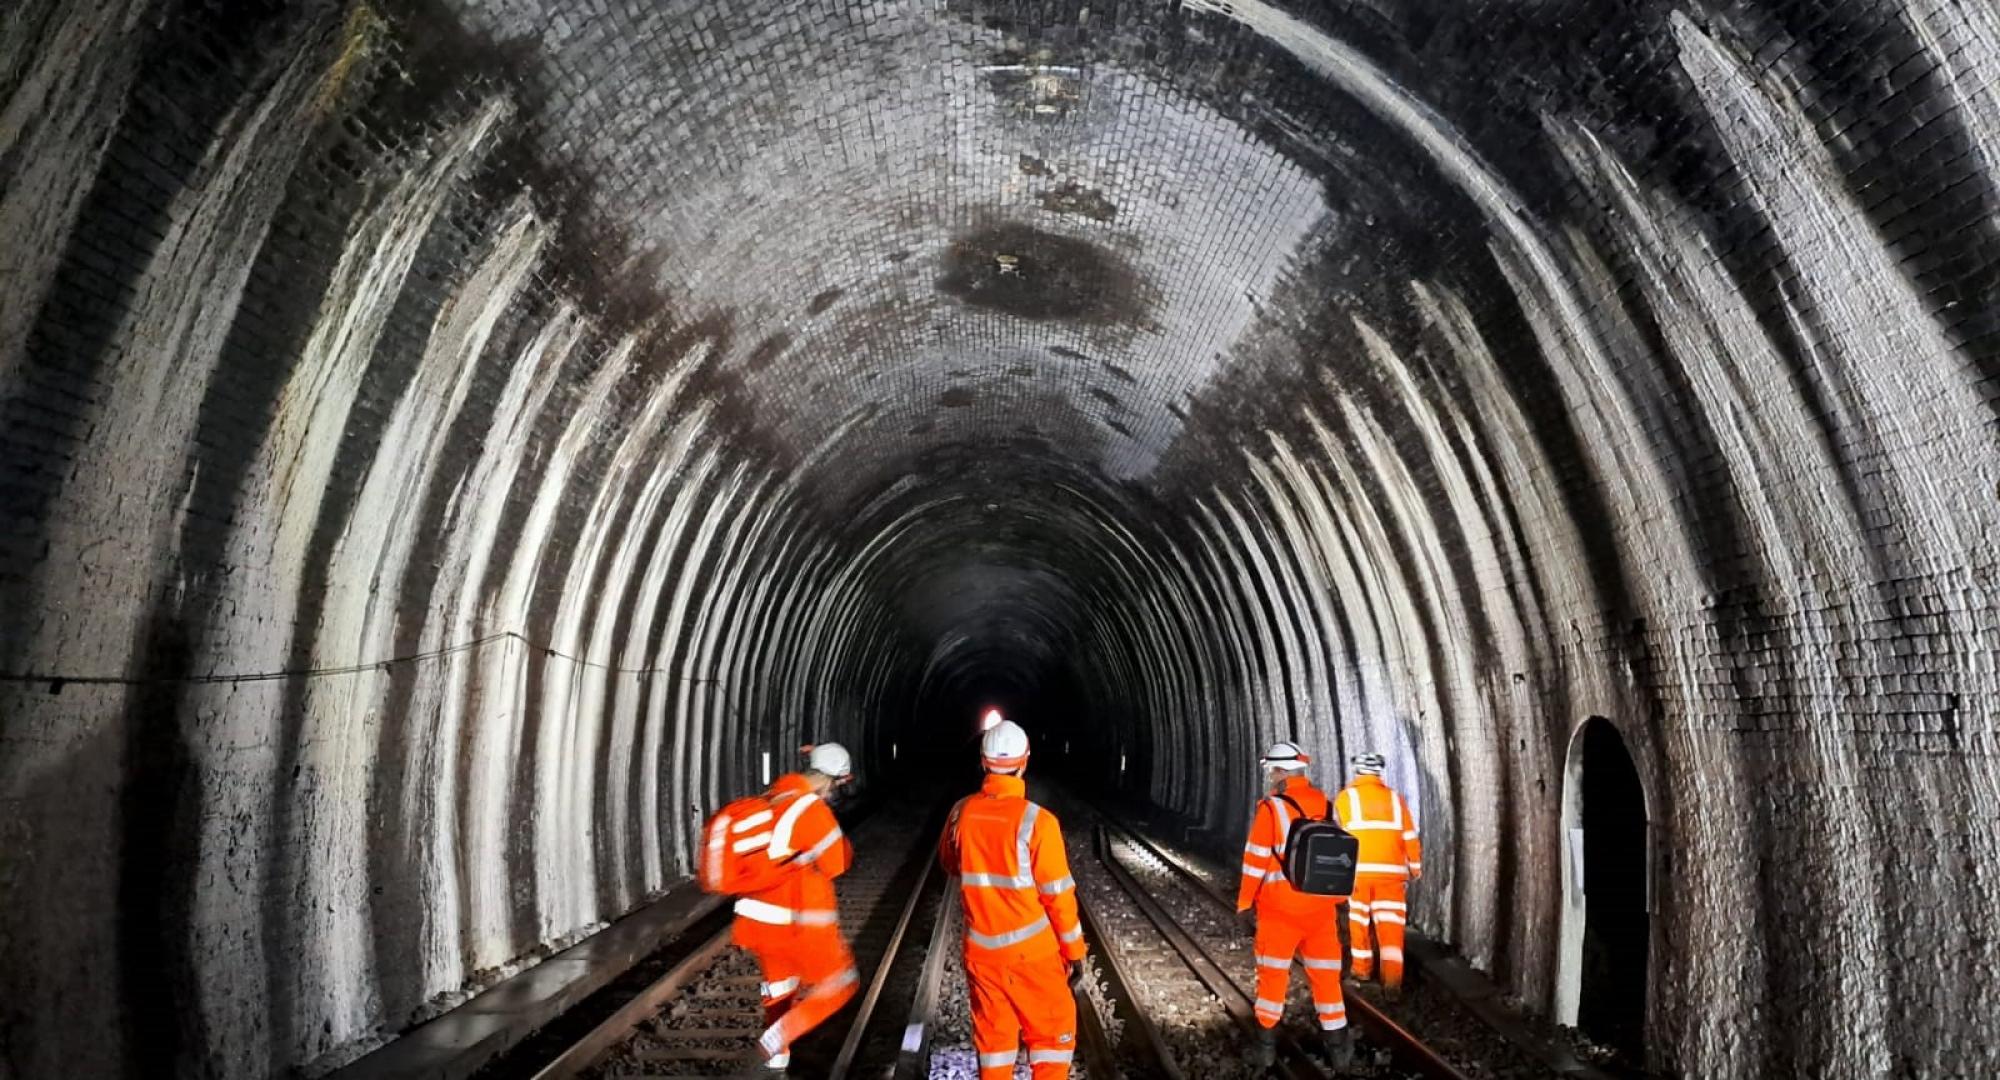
{"points": [[1013, 876], [1263, 881], [1382, 822], [804, 836]]}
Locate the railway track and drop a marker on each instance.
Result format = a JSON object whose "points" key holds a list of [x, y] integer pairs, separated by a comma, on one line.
{"points": [[1131, 1039], [1162, 1001], [1466, 1032], [1115, 1035], [701, 1017], [1174, 899]]}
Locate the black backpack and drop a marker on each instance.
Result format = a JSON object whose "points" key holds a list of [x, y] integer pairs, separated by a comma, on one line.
{"points": [[1320, 857]]}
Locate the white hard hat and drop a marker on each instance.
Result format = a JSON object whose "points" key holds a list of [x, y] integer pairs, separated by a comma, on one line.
{"points": [[1005, 746], [830, 758], [1367, 764], [1285, 755]]}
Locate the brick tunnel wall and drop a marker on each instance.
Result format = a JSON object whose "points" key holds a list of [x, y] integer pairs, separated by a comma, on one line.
{"points": [[442, 448]]}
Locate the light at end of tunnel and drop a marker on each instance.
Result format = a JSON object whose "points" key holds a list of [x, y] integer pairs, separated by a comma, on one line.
{"points": [[990, 720], [1121, 763], [892, 751], [767, 767]]}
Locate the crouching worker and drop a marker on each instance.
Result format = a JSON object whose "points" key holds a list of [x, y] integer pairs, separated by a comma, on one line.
{"points": [[1024, 947], [778, 853], [1290, 921]]}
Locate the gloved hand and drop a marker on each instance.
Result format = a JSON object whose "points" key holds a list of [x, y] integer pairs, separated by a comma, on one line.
{"points": [[1247, 918], [1074, 975]]}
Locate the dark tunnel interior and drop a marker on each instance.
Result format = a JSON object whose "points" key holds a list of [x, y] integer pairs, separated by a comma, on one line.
{"points": [[447, 446], [1615, 887]]}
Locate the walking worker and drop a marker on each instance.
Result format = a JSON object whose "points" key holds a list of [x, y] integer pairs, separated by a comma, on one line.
{"points": [[1024, 945], [1391, 857], [1289, 921], [778, 853]]}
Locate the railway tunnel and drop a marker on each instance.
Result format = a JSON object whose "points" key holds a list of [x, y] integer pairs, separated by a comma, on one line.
{"points": [[447, 448]]}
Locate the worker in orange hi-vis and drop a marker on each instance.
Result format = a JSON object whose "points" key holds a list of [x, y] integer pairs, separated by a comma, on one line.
{"points": [[1024, 945], [1288, 921], [1390, 858], [793, 927]]}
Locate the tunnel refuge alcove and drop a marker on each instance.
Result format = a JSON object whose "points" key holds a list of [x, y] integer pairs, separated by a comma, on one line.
{"points": [[1608, 883]]}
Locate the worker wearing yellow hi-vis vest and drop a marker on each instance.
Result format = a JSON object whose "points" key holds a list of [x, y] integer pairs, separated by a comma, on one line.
{"points": [[1391, 857]]}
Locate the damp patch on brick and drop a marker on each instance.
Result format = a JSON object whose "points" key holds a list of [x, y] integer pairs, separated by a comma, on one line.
{"points": [[1070, 197], [1031, 90], [767, 352], [824, 300], [1031, 273]]}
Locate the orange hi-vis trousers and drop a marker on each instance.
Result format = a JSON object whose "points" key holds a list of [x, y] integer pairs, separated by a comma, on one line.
{"points": [[1017, 1001], [1378, 899], [793, 958], [1317, 943]]}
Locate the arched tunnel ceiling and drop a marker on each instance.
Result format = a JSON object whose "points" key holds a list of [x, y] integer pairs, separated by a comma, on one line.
{"points": [[1000, 244], [962, 225], [444, 446]]}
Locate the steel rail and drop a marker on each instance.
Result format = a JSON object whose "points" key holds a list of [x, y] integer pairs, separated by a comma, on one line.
{"points": [[1145, 1050], [621, 1024], [1098, 1057], [851, 1045], [1403, 1044], [913, 1055], [615, 1028], [1560, 1059], [1293, 1062]]}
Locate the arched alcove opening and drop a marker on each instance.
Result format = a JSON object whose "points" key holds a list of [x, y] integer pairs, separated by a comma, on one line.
{"points": [[1607, 918]]}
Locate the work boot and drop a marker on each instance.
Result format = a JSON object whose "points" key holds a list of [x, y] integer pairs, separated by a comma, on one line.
{"points": [[1392, 994], [1267, 1047], [1339, 1045]]}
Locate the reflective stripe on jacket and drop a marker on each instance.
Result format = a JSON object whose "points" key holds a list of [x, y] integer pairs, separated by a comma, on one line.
{"points": [[1013, 875], [1263, 882], [803, 836], [1382, 822]]}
